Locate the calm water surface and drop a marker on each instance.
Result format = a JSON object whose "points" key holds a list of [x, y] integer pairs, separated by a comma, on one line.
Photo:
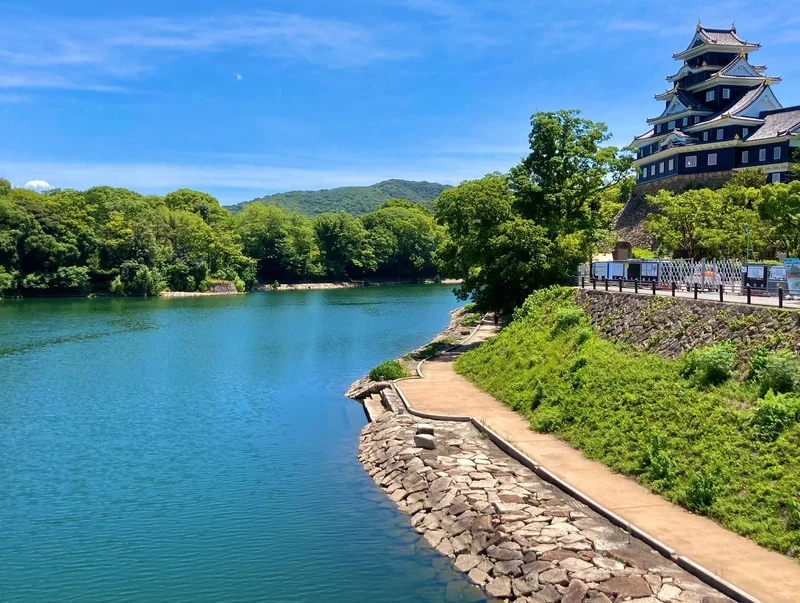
{"points": [[201, 450]]}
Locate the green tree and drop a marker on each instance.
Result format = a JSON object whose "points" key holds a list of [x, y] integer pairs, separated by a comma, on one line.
{"points": [[779, 207], [565, 172], [344, 247]]}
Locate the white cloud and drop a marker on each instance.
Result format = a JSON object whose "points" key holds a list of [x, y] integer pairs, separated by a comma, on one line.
{"points": [[239, 77], [95, 54], [37, 185]]}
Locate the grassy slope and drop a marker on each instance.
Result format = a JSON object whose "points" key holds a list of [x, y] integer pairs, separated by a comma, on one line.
{"points": [[637, 414], [355, 200]]}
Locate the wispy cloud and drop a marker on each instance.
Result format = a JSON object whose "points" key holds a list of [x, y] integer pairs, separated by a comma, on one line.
{"points": [[97, 54]]}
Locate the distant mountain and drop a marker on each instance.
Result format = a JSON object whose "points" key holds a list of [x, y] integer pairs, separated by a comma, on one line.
{"points": [[355, 200]]}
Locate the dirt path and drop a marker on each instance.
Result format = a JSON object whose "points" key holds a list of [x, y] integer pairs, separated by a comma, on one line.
{"points": [[768, 576]]}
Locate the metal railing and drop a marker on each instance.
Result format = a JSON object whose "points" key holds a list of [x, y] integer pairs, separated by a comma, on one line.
{"points": [[653, 286]]}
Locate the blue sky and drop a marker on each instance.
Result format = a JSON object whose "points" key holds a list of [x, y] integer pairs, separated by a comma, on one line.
{"points": [[245, 98]]}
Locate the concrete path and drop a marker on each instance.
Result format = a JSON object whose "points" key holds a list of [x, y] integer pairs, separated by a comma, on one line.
{"points": [[768, 576]]}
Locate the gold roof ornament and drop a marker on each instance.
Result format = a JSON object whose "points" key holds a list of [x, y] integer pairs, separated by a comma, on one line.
{"points": [[742, 53], [733, 27], [699, 25], [767, 81], [736, 137]]}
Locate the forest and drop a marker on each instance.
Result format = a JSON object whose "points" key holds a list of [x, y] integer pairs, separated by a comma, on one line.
{"points": [[111, 240]]}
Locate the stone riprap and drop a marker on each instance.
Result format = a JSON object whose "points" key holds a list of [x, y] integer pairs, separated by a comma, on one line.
{"points": [[514, 535]]}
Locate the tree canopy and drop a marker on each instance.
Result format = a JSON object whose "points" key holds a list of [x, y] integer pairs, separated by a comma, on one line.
{"points": [[506, 235]]}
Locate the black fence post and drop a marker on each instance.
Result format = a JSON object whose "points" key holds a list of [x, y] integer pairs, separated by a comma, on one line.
{"points": [[620, 285], [780, 297], [674, 286], [583, 282], [695, 290], [606, 280], [594, 284], [635, 286], [749, 292], [720, 292], [654, 287]]}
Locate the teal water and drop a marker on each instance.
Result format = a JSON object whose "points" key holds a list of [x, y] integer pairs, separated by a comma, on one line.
{"points": [[200, 450]]}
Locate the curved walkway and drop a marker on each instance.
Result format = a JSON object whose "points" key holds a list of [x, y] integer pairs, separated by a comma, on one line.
{"points": [[768, 576]]}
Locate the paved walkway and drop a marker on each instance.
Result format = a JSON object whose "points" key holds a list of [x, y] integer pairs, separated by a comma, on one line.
{"points": [[728, 298], [768, 576]]}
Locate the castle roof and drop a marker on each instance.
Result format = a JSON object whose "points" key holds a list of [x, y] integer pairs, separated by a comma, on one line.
{"points": [[707, 40], [781, 122]]}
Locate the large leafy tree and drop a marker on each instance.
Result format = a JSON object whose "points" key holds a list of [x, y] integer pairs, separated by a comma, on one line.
{"points": [[779, 207], [509, 235], [344, 246]]}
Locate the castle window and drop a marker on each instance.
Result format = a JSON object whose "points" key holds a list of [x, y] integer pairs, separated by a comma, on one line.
{"points": [[762, 154], [710, 96], [685, 121], [726, 93], [653, 170], [697, 119], [745, 132], [671, 125], [661, 168], [671, 164], [720, 134], [776, 154], [658, 129], [712, 159], [776, 177], [691, 161], [745, 156], [705, 136]]}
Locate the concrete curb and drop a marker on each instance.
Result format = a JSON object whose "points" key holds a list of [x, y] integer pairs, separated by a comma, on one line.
{"points": [[666, 551]]}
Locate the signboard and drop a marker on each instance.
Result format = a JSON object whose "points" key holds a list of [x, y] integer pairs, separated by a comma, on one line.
{"points": [[600, 269], [777, 273], [616, 270], [789, 262], [650, 269], [756, 272]]}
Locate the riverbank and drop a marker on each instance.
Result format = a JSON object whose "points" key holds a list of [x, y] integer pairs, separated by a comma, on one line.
{"points": [[352, 284], [513, 534]]}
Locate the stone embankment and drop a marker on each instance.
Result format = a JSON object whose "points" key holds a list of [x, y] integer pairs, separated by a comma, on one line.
{"points": [[513, 534], [349, 284], [220, 288], [670, 326]]}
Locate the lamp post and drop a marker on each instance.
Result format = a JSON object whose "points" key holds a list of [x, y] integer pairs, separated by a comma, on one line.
{"points": [[747, 234]]}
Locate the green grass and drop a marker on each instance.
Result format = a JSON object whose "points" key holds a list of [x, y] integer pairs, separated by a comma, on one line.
{"points": [[688, 429], [388, 371], [433, 348]]}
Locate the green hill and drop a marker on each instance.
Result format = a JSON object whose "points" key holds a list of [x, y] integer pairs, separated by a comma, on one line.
{"points": [[355, 200]]}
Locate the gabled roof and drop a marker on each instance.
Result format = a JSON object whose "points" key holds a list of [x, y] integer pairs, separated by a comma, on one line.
{"points": [[747, 109], [680, 103], [738, 67], [688, 70], [727, 37], [781, 122], [706, 38]]}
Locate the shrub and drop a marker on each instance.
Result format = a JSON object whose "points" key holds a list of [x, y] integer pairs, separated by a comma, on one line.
{"points": [[711, 365], [774, 414], [548, 420], [656, 463], [701, 492], [116, 287], [276, 285], [758, 360], [777, 372], [567, 317], [238, 283], [793, 514], [388, 371], [584, 335]]}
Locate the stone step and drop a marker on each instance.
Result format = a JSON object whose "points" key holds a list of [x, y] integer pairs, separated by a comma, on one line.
{"points": [[374, 407]]}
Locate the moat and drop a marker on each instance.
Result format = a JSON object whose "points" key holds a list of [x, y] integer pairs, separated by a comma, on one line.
{"points": [[201, 450]]}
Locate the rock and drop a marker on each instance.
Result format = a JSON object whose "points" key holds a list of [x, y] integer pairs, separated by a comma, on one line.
{"points": [[461, 544], [508, 568], [523, 587], [503, 507], [573, 564], [608, 564], [554, 576], [592, 574], [440, 485], [549, 594], [555, 555], [499, 587], [575, 592], [424, 440], [537, 567], [668, 592], [625, 586], [465, 563], [596, 597], [495, 552], [434, 537], [445, 547], [478, 577], [482, 523], [425, 428]]}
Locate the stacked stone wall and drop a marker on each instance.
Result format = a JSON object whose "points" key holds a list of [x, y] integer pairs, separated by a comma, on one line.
{"points": [[670, 326]]}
